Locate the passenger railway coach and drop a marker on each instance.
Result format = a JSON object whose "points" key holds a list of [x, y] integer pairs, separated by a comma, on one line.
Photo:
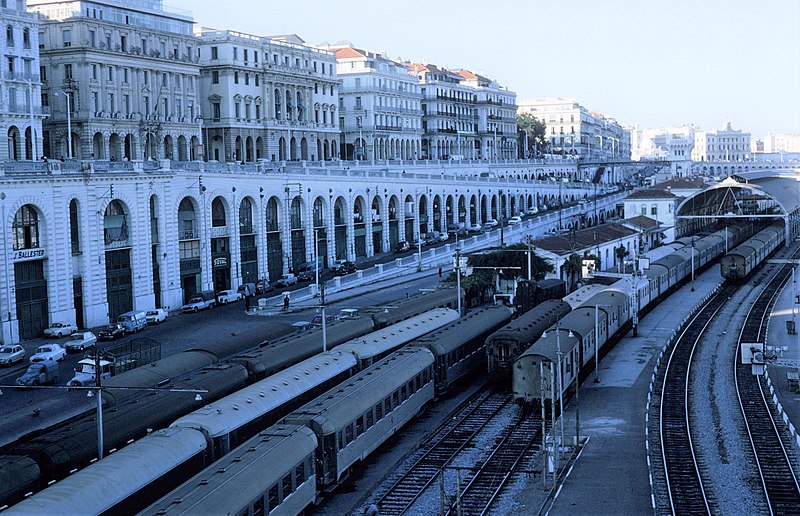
{"points": [[739, 263]]}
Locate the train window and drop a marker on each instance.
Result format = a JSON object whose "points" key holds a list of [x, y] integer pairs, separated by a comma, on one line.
{"points": [[378, 412], [411, 389], [273, 496], [286, 485], [310, 465], [348, 433], [418, 379], [258, 506], [403, 393], [341, 439], [299, 474], [370, 418], [359, 425], [387, 405], [395, 399]]}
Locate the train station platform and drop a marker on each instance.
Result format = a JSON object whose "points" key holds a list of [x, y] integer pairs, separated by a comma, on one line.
{"points": [[783, 381], [611, 474]]}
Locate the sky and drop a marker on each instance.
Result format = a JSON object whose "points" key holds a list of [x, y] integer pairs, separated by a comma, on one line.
{"points": [[642, 62]]}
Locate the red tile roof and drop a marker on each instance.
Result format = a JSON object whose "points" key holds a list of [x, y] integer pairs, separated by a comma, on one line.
{"points": [[349, 53]]}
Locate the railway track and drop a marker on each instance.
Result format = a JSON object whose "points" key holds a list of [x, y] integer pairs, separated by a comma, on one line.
{"points": [[775, 470], [439, 450], [684, 484], [486, 483]]}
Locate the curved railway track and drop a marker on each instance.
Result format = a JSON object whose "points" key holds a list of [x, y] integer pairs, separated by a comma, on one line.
{"points": [[439, 450], [775, 469], [684, 484]]}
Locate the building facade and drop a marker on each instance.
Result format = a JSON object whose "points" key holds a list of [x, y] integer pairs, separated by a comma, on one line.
{"points": [[128, 75], [464, 116], [656, 203], [271, 98], [380, 112], [86, 241], [726, 144], [573, 129], [21, 111]]}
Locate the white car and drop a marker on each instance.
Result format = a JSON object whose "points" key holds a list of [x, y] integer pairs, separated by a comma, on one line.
{"points": [[474, 228], [286, 280], [49, 352], [156, 316], [60, 329], [228, 296], [10, 355], [514, 220], [80, 341], [532, 211]]}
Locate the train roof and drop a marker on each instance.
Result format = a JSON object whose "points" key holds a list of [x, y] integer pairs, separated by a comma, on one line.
{"points": [[240, 408], [405, 308], [455, 334], [530, 325], [149, 375], [552, 343], [671, 260], [400, 333], [107, 482], [345, 402], [15, 471], [659, 252], [241, 475], [580, 296], [550, 282], [613, 297]]}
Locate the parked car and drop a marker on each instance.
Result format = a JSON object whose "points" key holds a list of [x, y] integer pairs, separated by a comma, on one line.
{"points": [[247, 289], [263, 286], [133, 321], [46, 352], [156, 316], [345, 268], [200, 301], [514, 220], [60, 329], [111, 332], [40, 373], [474, 228], [286, 280], [491, 223], [10, 355], [402, 247], [307, 271], [228, 296], [531, 211], [80, 341]]}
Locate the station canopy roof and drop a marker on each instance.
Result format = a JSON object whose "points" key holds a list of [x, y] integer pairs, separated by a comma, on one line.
{"points": [[760, 193]]}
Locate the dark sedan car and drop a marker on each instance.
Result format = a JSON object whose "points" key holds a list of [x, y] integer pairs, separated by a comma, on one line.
{"points": [[345, 268], [111, 332]]}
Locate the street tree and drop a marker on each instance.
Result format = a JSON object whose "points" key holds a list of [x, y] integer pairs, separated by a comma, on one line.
{"points": [[537, 136]]}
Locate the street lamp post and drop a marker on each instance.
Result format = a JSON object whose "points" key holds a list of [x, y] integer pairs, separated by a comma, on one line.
{"points": [[69, 121]]}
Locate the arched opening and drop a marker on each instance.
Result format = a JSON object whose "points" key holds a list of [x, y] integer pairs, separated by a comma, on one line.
{"points": [[119, 277], [274, 241], [340, 228], [437, 213], [304, 149], [189, 248], [30, 284], [169, 147], [408, 211], [248, 253], [220, 245], [359, 227], [97, 146], [248, 149], [259, 148], [182, 151], [114, 150], [298, 233], [423, 216], [377, 225], [320, 233], [237, 149], [129, 150]]}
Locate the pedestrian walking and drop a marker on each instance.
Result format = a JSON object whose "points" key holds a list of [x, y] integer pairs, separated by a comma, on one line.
{"points": [[285, 301], [246, 304], [440, 272]]}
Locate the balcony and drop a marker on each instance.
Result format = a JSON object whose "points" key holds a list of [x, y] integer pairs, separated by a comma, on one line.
{"points": [[188, 235], [220, 232]]}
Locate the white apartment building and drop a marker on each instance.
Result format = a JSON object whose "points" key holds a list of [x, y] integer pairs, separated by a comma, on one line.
{"points": [[129, 74], [497, 115], [453, 104], [380, 109], [781, 142], [20, 88], [572, 129], [726, 144], [656, 203], [668, 143], [271, 98]]}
